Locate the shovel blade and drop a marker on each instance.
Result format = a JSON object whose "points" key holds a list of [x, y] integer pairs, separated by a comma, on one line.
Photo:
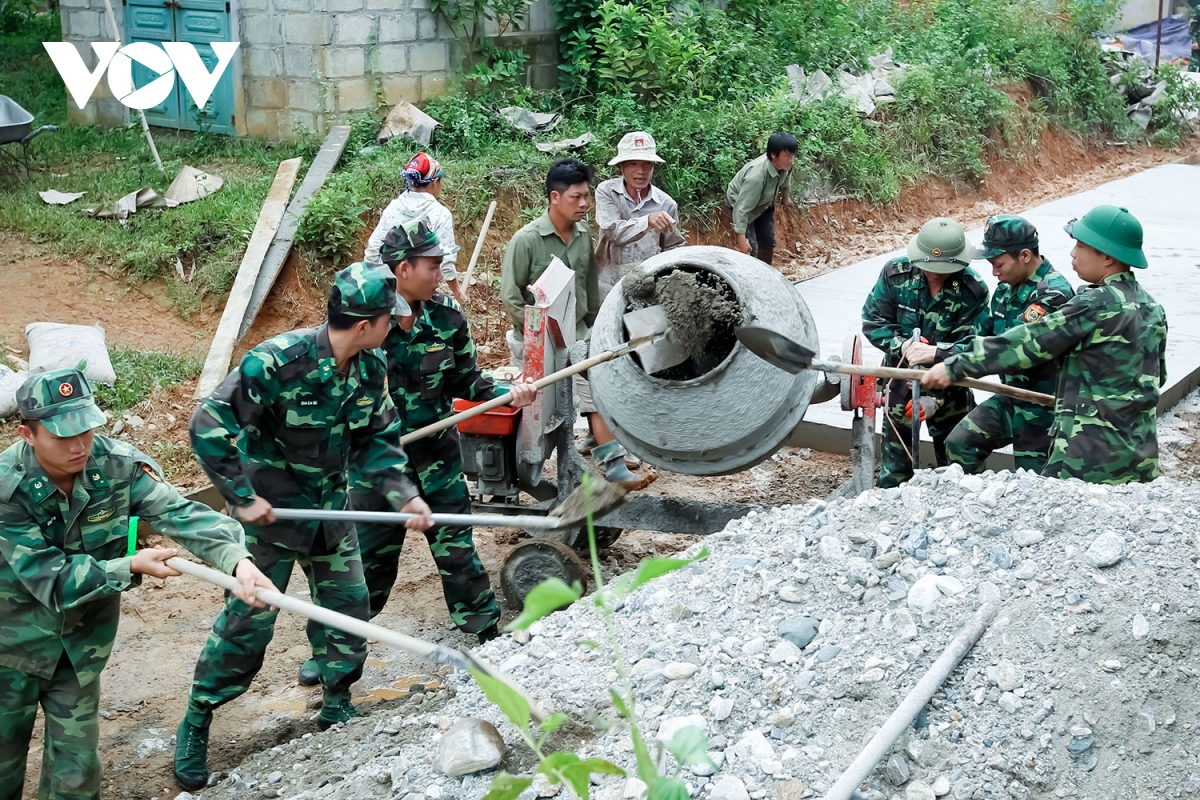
{"points": [[775, 348], [660, 352]]}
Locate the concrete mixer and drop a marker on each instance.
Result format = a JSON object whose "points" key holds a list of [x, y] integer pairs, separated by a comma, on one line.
{"points": [[720, 412]]}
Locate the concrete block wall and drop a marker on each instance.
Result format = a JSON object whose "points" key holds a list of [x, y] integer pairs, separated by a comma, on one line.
{"points": [[306, 64]]}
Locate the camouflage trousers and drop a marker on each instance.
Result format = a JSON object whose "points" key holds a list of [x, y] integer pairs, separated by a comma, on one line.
{"points": [[996, 422], [895, 464], [71, 747], [465, 583], [234, 652]]}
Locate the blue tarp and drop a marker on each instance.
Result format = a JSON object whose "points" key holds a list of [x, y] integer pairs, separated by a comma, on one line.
{"points": [[1176, 42]]}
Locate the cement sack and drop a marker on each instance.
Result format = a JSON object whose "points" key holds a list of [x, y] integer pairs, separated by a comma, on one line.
{"points": [[53, 345], [9, 382]]}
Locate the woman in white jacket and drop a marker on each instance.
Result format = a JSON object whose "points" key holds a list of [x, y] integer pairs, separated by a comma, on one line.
{"points": [[423, 175]]}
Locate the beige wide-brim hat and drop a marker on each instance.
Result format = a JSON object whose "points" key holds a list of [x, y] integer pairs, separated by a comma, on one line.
{"points": [[636, 146]]}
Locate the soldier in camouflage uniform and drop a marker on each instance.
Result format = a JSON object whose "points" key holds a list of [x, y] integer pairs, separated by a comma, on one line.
{"points": [[69, 504], [1110, 340], [282, 429], [1029, 289], [430, 361], [935, 290]]}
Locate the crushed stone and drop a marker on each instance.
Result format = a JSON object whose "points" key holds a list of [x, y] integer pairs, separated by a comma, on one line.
{"points": [[1084, 686]]}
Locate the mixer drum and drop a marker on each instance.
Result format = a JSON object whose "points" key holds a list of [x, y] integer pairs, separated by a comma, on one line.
{"points": [[726, 409]]}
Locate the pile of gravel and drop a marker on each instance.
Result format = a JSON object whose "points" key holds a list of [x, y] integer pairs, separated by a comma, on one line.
{"points": [[806, 626]]}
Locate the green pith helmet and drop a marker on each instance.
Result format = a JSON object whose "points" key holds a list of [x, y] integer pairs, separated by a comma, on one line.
{"points": [[1112, 231], [61, 401], [940, 246]]}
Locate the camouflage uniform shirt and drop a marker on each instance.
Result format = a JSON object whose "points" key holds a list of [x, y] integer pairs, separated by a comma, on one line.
{"points": [[1045, 291], [1111, 339], [287, 426], [901, 301], [428, 367], [64, 561]]}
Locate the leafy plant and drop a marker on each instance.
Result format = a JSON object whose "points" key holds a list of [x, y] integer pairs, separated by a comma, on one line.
{"points": [[332, 219], [1180, 101], [15, 13], [688, 746]]}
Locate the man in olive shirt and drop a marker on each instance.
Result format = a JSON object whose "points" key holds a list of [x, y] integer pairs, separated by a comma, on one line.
{"points": [[563, 232], [752, 194]]}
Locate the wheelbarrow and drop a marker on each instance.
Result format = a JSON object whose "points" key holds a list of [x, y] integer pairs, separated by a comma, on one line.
{"points": [[15, 125]]}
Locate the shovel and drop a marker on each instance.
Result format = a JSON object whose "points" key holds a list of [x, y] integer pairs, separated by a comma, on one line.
{"points": [[462, 658], [570, 513], [646, 330], [791, 356]]}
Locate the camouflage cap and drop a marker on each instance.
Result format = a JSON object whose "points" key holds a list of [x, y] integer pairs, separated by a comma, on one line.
{"points": [[1006, 233], [409, 240], [364, 290], [61, 401]]}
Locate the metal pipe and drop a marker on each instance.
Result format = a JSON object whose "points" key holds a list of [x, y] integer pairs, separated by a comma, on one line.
{"points": [[912, 704], [461, 659], [1158, 38], [527, 521]]}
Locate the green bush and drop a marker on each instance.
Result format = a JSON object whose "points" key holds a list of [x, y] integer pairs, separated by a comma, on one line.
{"points": [[332, 219]]}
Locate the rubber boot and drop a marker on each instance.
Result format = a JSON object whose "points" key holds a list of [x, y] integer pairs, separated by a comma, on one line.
{"points": [[335, 711], [191, 749], [766, 254], [611, 458], [588, 444], [309, 674], [487, 634]]}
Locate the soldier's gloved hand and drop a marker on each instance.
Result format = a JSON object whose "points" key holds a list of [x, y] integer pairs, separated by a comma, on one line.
{"points": [[935, 377], [152, 561], [522, 393], [418, 506], [251, 578], [259, 512], [927, 405]]}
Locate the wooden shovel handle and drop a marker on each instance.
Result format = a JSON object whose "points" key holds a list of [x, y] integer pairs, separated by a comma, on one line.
{"points": [[897, 373], [483, 231], [505, 399]]}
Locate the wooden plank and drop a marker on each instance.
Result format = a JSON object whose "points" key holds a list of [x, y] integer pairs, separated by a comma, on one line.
{"points": [[221, 351], [323, 164]]}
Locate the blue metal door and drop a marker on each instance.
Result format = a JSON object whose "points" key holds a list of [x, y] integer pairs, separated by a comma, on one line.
{"points": [[198, 22]]}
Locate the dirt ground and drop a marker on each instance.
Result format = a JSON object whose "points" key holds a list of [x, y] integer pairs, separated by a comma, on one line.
{"points": [[165, 623]]}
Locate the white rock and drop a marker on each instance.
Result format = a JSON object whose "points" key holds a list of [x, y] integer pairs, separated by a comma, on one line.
{"points": [[874, 675], [729, 788], [543, 788], [949, 585], [1027, 537], [941, 785], [470, 746], [719, 708], [679, 670], [755, 646], [1107, 549], [972, 484], [902, 623], [785, 653], [1010, 702], [918, 790], [991, 495], [668, 727], [924, 595], [832, 548], [755, 748], [1009, 676], [635, 789], [1139, 627]]}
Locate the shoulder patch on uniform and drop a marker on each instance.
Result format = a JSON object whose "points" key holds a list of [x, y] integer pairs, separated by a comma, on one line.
{"points": [[101, 515], [1033, 313], [364, 401], [436, 347]]}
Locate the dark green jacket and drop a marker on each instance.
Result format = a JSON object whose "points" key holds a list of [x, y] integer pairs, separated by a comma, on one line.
{"points": [[1111, 342], [285, 425], [1045, 291], [64, 561], [901, 301]]}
